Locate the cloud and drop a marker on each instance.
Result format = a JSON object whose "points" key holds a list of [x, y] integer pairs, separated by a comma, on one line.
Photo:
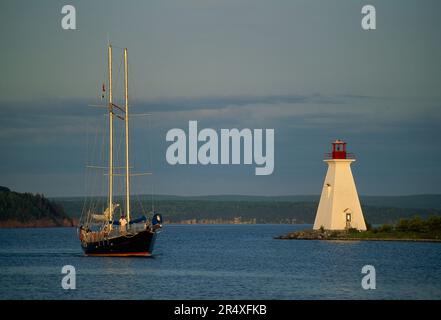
{"points": [[224, 102], [50, 138], [47, 120]]}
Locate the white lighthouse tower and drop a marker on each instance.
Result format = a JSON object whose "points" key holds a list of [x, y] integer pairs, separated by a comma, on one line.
{"points": [[339, 207]]}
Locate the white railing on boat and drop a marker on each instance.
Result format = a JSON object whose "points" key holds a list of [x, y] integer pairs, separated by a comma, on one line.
{"points": [[116, 231]]}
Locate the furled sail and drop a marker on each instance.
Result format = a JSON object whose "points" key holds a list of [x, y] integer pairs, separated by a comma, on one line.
{"points": [[106, 215]]}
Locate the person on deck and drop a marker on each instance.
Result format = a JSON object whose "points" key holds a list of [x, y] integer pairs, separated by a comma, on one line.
{"points": [[122, 224]]}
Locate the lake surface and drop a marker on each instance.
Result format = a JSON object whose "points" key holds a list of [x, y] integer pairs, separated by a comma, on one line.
{"points": [[218, 262]]}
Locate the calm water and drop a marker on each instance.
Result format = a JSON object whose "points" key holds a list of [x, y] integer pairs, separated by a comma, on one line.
{"points": [[218, 262]]}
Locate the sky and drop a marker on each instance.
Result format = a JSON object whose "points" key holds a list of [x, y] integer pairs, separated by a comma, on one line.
{"points": [[303, 68]]}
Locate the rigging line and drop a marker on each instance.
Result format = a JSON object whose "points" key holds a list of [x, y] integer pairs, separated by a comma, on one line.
{"points": [[140, 201], [119, 140], [99, 121], [151, 160], [86, 203], [140, 204], [132, 128], [115, 92], [99, 203], [132, 174], [116, 160], [150, 149], [133, 94], [132, 82], [134, 115], [92, 179], [144, 211], [85, 171], [117, 47], [89, 180], [102, 167], [132, 89], [119, 108], [95, 182]]}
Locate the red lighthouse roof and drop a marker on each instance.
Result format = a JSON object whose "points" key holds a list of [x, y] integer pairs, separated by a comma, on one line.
{"points": [[339, 151]]}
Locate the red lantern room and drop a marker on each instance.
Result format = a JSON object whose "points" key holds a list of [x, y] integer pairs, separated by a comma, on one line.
{"points": [[339, 149]]}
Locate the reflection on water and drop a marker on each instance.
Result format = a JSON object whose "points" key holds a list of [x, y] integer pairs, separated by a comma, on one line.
{"points": [[218, 262]]}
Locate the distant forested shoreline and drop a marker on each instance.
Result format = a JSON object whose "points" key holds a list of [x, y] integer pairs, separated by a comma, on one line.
{"points": [[30, 210], [35, 210], [257, 209]]}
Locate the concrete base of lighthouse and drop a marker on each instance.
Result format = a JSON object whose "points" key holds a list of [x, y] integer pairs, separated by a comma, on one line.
{"points": [[339, 207]]}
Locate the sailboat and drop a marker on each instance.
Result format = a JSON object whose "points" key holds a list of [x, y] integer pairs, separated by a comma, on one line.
{"points": [[113, 232]]}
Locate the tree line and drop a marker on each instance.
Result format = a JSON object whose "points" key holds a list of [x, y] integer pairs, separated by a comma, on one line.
{"points": [[27, 207]]}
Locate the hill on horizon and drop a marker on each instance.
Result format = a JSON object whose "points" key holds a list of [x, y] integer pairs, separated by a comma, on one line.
{"points": [[30, 210], [264, 209], [418, 201], [26, 209]]}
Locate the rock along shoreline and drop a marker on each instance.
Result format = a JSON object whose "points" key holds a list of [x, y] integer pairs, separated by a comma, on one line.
{"points": [[328, 235]]}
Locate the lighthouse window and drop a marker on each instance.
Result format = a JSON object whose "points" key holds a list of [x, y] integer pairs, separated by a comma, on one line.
{"points": [[348, 217], [338, 147]]}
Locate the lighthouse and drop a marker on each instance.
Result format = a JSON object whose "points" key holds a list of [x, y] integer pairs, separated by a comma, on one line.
{"points": [[339, 206]]}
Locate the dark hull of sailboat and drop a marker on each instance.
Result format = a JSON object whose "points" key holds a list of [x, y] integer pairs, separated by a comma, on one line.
{"points": [[137, 245]]}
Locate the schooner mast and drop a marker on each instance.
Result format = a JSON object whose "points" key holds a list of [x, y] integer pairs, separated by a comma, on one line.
{"points": [[110, 137], [126, 119], [126, 95]]}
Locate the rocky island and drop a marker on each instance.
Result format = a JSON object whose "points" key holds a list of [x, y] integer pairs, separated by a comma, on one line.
{"points": [[414, 229]]}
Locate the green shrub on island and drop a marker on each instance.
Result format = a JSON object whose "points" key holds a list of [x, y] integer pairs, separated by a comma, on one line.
{"points": [[415, 228], [384, 228], [368, 226], [434, 223], [416, 224]]}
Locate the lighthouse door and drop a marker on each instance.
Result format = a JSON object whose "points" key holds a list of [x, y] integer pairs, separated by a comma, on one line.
{"points": [[348, 218]]}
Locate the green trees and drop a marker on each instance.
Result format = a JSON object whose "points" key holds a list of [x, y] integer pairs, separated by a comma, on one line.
{"points": [[26, 208], [368, 226], [430, 227], [415, 224], [385, 228], [433, 224]]}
